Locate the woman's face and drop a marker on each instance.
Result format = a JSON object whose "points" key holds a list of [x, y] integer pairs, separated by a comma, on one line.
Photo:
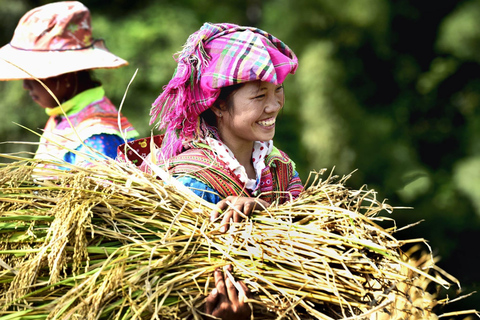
{"points": [[252, 117], [59, 86]]}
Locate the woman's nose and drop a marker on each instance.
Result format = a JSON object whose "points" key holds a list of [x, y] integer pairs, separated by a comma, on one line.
{"points": [[274, 104], [27, 84]]}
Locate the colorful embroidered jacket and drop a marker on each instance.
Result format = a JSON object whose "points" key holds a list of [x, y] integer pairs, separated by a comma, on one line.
{"points": [[279, 180], [92, 119]]}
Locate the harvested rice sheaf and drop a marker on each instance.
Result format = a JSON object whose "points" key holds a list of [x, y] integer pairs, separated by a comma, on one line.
{"points": [[109, 242]]}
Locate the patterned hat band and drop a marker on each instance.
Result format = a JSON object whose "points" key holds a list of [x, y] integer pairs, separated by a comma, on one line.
{"points": [[68, 49]]}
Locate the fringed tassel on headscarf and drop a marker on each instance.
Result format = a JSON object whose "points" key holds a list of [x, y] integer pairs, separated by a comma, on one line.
{"points": [[172, 107]]}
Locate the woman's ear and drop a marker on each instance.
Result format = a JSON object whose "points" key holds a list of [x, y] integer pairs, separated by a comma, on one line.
{"points": [[217, 110]]}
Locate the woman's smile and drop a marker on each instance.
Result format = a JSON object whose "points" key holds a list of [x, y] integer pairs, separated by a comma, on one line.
{"points": [[270, 122]]}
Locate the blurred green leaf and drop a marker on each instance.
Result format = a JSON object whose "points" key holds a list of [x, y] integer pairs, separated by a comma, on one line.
{"points": [[459, 32]]}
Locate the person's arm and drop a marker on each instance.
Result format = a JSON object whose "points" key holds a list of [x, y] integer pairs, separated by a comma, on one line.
{"points": [[237, 208], [199, 188], [295, 185], [105, 144]]}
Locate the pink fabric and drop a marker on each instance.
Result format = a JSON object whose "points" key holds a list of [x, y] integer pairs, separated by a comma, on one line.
{"points": [[54, 39], [56, 26], [216, 56]]}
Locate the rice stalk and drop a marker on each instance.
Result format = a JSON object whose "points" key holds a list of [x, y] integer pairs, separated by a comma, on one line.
{"points": [[109, 242]]}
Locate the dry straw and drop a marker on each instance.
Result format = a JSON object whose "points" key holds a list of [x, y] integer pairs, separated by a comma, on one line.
{"points": [[109, 242]]}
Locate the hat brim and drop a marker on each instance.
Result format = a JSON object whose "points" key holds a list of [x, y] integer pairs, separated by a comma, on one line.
{"points": [[17, 64]]}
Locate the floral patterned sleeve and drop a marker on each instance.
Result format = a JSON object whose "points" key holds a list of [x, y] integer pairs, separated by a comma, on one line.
{"points": [[295, 186], [106, 144]]}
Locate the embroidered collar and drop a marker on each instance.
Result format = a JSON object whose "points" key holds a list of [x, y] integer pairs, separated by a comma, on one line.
{"points": [[78, 102], [260, 151]]}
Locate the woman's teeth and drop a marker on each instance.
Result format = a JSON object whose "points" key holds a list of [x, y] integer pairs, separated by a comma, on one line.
{"points": [[267, 123]]}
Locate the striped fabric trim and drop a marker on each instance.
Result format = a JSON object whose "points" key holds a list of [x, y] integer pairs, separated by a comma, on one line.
{"points": [[203, 165]]}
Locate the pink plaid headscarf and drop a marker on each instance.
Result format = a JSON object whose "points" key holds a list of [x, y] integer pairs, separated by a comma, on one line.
{"points": [[216, 56]]}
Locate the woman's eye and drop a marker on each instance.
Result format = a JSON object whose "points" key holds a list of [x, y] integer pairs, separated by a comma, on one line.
{"points": [[260, 96], [279, 88]]}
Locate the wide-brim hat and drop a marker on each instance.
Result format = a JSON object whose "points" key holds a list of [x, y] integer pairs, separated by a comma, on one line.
{"points": [[54, 39]]}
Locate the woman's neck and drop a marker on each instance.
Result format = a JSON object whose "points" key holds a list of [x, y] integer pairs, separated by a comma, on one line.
{"points": [[243, 154], [78, 84]]}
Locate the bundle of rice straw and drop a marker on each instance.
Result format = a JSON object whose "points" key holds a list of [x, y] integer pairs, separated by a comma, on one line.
{"points": [[109, 242]]}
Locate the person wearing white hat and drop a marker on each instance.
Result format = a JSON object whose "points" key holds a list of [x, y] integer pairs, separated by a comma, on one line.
{"points": [[53, 48], [53, 52]]}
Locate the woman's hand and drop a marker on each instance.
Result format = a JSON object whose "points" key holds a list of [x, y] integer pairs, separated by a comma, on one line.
{"points": [[236, 208], [225, 301]]}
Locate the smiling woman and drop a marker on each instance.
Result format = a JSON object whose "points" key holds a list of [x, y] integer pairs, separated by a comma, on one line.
{"points": [[219, 113]]}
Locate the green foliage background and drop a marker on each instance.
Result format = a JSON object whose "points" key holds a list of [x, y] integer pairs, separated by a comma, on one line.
{"points": [[390, 89]]}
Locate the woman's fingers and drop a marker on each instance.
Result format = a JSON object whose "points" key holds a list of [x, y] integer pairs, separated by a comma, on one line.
{"points": [[248, 207], [226, 221], [212, 301], [244, 293], [235, 209], [231, 288], [220, 283], [227, 300], [238, 212], [221, 206]]}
